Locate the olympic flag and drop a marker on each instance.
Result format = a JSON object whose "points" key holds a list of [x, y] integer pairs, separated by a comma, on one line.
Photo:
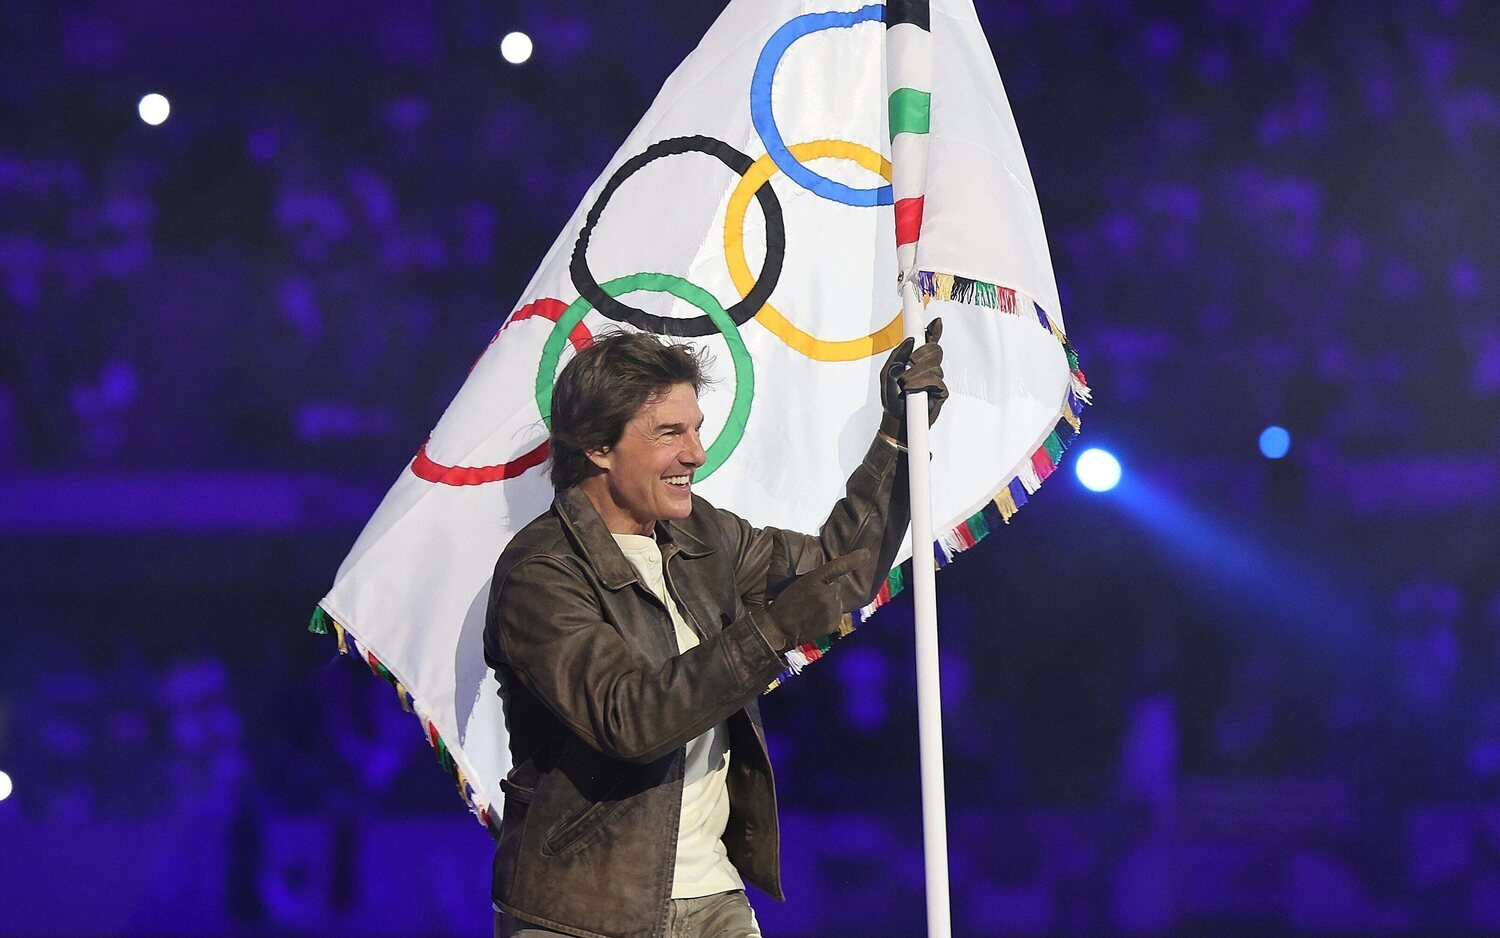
{"points": [[750, 211]]}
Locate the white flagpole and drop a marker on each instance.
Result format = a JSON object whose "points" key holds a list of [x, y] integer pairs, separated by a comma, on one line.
{"points": [[909, 72], [924, 595]]}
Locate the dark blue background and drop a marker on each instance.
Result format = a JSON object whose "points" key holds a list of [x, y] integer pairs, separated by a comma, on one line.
{"points": [[1233, 695]]}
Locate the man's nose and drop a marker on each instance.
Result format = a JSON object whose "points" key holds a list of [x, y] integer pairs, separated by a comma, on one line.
{"points": [[694, 455]]}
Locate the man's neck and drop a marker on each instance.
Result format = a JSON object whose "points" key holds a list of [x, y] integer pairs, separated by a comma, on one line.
{"points": [[615, 518]]}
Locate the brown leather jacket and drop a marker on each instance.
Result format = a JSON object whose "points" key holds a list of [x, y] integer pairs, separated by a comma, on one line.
{"points": [[599, 705]]}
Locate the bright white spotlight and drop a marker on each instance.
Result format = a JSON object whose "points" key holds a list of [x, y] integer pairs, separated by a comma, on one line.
{"points": [[515, 48], [5, 786], [154, 109], [1097, 470], [1275, 442]]}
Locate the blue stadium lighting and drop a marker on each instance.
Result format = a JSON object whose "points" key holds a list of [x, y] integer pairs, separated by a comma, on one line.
{"points": [[5, 786], [515, 48], [154, 109], [1275, 442], [1098, 470]]}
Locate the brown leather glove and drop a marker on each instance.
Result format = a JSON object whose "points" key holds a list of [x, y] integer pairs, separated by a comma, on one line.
{"points": [[813, 605], [907, 370]]}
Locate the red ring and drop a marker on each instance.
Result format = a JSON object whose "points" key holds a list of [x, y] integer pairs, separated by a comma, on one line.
{"points": [[428, 471]]}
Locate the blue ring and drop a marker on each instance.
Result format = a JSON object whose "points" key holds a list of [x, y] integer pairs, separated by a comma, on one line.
{"points": [[765, 121]]}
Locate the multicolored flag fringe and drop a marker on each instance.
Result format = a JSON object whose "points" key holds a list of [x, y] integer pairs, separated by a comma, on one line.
{"points": [[752, 211]]}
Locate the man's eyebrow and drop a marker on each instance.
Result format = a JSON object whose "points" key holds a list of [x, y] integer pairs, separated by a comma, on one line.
{"points": [[679, 425]]}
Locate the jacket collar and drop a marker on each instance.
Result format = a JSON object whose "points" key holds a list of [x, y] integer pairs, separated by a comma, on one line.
{"points": [[673, 532], [593, 540]]}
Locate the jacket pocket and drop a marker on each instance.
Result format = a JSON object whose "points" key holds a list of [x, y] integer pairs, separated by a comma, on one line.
{"points": [[514, 792], [572, 832], [512, 830]]}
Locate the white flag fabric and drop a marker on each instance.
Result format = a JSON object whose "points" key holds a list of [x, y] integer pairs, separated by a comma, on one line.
{"points": [[751, 211]]}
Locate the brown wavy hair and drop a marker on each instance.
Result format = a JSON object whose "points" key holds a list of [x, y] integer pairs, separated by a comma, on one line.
{"points": [[607, 384]]}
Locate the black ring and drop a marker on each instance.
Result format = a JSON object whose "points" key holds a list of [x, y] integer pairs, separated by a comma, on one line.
{"points": [[916, 12], [741, 312]]}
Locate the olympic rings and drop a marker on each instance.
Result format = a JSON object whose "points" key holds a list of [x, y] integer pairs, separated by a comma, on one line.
{"points": [[424, 468], [744, 368], [764, 119], [823, 350], [740, 312], [755, 292]]}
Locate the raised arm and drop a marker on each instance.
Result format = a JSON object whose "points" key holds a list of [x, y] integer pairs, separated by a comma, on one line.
{"points": [[874, 512]]}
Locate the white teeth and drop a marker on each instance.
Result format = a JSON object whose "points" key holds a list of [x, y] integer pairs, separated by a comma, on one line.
{"points": [[678, 480]]}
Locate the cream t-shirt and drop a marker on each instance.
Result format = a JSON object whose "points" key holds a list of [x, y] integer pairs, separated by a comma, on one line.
{"points": [[703, 866]]}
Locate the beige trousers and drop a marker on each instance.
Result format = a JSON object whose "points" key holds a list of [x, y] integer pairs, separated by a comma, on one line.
{"points": [[722, 915]]}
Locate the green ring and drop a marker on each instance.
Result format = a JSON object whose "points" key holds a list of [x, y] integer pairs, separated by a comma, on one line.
{"points": [[744, 371]]}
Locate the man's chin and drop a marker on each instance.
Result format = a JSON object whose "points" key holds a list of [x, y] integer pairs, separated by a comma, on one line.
{"points": [[679, 506]]}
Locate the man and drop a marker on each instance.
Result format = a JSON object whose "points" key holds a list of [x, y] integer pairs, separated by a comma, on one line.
{"points": [[632, 627]]}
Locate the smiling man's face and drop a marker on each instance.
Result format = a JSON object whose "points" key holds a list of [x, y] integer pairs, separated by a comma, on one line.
{"points": [[648, 474]]}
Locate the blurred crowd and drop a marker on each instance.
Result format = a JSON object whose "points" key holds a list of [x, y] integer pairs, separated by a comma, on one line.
{"points": [[296, 271], [1078, 757], [1260, 212]]}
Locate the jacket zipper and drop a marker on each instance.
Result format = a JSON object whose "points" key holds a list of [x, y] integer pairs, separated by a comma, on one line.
{"points": [[666, 568]]}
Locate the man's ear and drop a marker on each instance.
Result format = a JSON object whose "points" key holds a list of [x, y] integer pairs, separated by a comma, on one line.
{"points": [[602, 458]]}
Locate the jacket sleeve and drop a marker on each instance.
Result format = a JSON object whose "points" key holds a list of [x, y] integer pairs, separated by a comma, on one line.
{"points": [[874, 512], [551, 633]]}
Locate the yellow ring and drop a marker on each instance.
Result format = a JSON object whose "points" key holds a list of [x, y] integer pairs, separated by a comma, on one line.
{"points": [[823, 350]]}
